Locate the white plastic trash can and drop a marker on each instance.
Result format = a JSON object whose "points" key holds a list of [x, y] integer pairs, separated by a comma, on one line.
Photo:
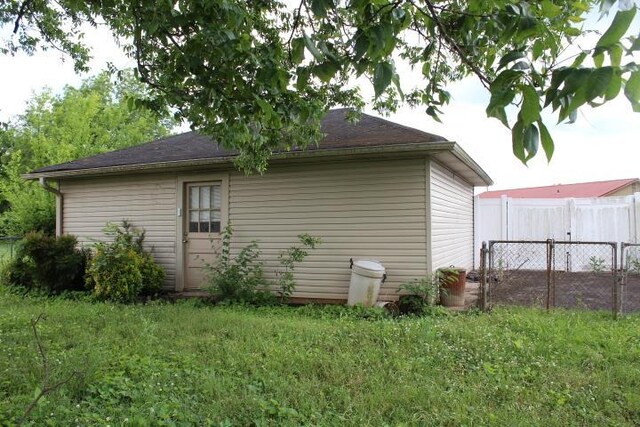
{"points": [[366, 277]]}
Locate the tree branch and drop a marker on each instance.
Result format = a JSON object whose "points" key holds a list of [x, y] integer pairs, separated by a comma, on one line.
{"points": [[46, 386], [433, 14], [21, 12]]}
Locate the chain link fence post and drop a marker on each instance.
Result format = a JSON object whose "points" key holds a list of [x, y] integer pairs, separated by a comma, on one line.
{"points": [[490, 277], [614, 272], [483, 277], [551, 289]]}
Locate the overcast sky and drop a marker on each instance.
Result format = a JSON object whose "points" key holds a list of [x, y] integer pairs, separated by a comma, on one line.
{"points": [[603, 144]]}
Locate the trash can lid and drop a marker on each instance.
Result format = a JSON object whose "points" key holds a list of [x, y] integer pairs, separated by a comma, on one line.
{"points": [[369, 264]]}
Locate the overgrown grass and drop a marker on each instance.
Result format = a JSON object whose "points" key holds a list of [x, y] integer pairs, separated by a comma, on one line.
{"points": [[7, 248], [188, 364]]}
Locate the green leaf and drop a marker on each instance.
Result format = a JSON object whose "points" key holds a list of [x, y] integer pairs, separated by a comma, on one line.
{"points": [[618, 28], [598, 82], [426, 69], [575, 79], [325, 71], [579, 59], [433, 112], [557, 78], [615, 53], [382, 77], [302, 82], [297, 50], [598, 58], [517, 142], [530, 110], [527, 26], [264, 106], [396, 81], [537, 49], [530, 141], [546, 140], [509, 57], [576, 101], [499, 100], [361, 45], [615, 84], [311, 47], [550, 10], [632, 89], [320, 7]]}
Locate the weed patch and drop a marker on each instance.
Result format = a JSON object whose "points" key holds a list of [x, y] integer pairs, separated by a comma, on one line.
{"points": [[188, 364]]}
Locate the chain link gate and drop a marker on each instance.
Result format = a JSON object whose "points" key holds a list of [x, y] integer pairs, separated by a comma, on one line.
{"points": [[630, 280], [583, 275], [551, 274], [518, 273]]}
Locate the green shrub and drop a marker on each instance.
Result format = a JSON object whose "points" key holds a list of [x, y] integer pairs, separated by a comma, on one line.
{"points": [[241, 279], [47, 263], [238, 279], [421, 295], [285, 282], [121, 270]]}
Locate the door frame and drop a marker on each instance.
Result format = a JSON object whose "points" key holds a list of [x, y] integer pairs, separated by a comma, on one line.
{"points": [[181, 204]]}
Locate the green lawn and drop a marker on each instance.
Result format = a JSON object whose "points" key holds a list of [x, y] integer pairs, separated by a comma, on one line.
{"points": [[185, 364], [7, 248]]}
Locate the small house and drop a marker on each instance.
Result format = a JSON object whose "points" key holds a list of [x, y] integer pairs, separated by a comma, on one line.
{"points": [[371, 190]]}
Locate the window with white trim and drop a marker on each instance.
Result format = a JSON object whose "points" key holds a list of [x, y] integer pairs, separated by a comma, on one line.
{"points": [[205, 202]]}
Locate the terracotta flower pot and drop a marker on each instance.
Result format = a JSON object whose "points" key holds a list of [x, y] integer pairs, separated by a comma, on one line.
{"points": [[452, 286]]}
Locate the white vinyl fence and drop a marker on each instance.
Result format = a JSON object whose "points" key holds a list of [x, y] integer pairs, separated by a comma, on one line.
{"points": [[600, 219]]}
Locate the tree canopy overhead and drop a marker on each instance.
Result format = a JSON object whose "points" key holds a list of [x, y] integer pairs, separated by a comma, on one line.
{"points": [[79, 122], [258, 74]]}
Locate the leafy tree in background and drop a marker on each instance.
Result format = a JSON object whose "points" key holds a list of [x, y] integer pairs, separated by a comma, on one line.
{"points": [[259, 74], [56, 128]]}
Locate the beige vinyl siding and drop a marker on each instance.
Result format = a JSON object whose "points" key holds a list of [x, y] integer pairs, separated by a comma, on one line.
{"points": [[148, 201], [451, 219], [366, 209], [627, 190]]}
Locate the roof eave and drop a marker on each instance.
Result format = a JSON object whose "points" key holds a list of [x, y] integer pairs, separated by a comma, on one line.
{"points": [[426, 148], [465, 158]]}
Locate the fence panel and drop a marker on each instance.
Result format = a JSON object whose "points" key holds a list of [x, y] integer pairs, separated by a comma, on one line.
{"points": [[630, 282], [580, 219], [518, 273], [578, 275], [584, 275]]}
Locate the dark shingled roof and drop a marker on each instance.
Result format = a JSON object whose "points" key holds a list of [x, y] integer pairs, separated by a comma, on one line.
{"points": [[368, 132]]}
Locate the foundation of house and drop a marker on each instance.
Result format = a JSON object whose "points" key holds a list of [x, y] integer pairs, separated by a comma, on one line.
{"points": [[471, 296]]}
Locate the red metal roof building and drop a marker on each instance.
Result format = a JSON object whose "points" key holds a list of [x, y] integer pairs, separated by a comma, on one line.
{"points": [[616, 187]]}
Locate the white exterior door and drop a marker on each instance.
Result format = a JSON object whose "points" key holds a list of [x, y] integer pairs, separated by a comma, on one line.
{"points": [[201, 231]]}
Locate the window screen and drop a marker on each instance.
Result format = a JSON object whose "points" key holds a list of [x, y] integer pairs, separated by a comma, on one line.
{"points": [[204, 208]]}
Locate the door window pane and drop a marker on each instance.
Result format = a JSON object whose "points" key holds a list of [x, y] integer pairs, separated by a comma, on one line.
{"points": [[193, 221], [216, 199], [193, 197], [205, 197]]}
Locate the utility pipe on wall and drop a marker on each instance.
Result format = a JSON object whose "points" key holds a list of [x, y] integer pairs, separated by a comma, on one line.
{"points": [[59, 203]]}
